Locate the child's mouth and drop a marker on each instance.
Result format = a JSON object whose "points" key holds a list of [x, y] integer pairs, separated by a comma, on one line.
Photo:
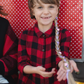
{"points": [[46, 17]]}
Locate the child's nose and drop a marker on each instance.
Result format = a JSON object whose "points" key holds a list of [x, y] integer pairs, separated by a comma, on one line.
{"points": [[46, 11]]}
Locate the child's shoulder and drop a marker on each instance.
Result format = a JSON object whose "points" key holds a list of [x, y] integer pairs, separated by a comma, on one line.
{"points": [[63, 30], [28, 30]]}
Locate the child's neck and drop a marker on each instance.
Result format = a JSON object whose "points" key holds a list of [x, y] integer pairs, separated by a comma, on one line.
{"points": [[44, 28]]}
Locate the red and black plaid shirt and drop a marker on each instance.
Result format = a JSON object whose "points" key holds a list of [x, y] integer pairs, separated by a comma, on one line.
{"points": [[8, 56], [38, 49]]}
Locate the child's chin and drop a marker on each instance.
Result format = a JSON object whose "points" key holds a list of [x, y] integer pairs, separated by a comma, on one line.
{"points": [[46, 23]]}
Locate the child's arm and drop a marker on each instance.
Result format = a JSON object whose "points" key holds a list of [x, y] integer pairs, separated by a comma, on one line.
{"points": [[38, 70], [9, 53]]}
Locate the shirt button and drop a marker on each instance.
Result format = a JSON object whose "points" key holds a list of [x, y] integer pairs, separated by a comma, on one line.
{"points": [[43, 35], [43, 50]]}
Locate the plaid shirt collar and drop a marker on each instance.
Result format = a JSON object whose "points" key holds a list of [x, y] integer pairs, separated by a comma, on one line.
{"points": [[47, 33]]}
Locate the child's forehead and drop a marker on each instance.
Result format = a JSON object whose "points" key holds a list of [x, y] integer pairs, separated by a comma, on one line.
{"points": [[45, 1]]}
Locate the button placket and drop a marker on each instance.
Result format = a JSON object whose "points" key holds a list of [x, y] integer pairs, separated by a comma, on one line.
{"points": [[44, 42]]}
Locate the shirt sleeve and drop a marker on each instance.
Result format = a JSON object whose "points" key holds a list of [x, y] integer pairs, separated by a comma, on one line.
{"points": [[9, 60], [65, 39], [23, 59]]}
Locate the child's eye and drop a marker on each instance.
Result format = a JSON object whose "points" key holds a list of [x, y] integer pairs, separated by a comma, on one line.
{"points": [[51, 6], [39, 7]]}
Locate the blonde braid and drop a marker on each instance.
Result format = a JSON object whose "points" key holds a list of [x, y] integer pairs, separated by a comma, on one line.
{"points": [[66, 63], [57, 46]]}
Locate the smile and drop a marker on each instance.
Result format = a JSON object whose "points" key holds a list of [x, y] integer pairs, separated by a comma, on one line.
{"points": [[46, 17]]}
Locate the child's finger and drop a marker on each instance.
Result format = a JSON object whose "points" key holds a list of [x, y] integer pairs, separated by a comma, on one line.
{"points": [[42, 68], [76, 68], [62, 76], [53, 70], [74, 65], [60, 70], [71, 69], [47, 74]]}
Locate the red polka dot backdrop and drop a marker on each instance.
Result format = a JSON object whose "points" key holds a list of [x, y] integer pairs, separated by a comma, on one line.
{"points": [[70, 17]]}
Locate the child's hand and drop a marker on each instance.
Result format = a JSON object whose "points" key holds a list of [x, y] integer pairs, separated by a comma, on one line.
{"points": [[73, 66], [41, 71], [62, 71]]}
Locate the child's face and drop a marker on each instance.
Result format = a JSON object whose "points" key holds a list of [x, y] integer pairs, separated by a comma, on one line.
{"points": [[45, 14]]}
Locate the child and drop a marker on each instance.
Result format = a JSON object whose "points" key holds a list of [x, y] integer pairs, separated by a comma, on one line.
{"points": [[8, 52], [37, 59]]}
